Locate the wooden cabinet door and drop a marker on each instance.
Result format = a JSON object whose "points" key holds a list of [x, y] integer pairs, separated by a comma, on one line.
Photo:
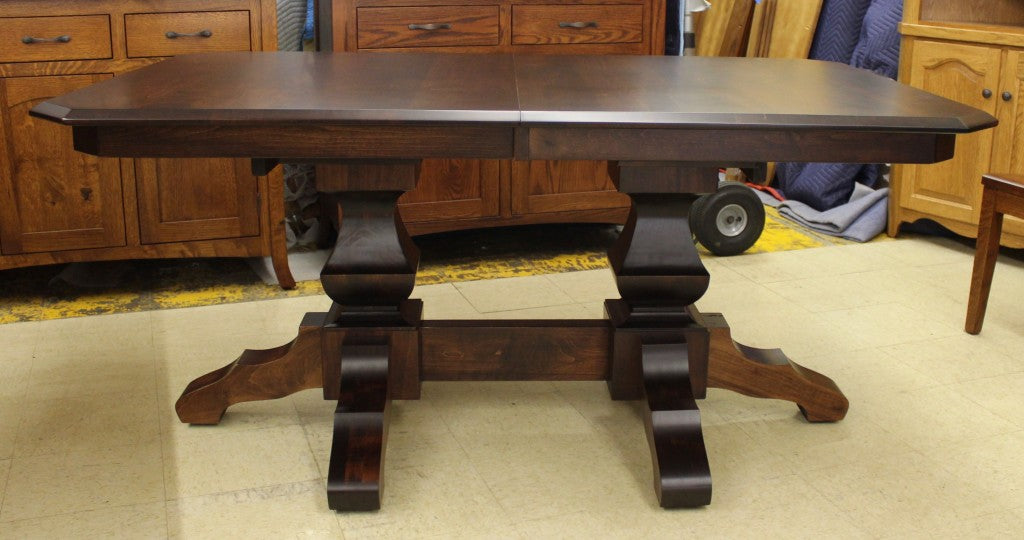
{"points": [[1008, 142], [557, 186], [952, 189], [52, 198], [182, 200], [454, 189]]}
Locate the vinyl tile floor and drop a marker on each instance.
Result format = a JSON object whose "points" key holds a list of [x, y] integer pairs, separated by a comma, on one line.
{"points": [[931, 448]]}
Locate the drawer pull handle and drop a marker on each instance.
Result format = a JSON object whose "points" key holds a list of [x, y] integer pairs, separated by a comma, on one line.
{"points": [[431, 26], [578, 24], [28, 40], [201, 33]]}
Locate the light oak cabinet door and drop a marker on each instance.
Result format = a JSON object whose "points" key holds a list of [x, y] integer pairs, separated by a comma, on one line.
{"points": [[196, 199], [1008, 156], [961, 72], [1008, 141], [52, 198]]}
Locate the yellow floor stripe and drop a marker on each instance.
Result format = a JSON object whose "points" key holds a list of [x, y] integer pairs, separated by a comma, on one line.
{"points": [[33, 294]]}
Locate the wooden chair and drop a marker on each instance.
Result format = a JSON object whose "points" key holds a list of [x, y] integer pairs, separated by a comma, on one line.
{"points": [[1001, 194]]}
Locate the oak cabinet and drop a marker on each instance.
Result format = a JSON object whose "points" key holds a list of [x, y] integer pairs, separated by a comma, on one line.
{"points": [[57, 205], [53, 198], [453, 193], [973, 54], [178, 202]]}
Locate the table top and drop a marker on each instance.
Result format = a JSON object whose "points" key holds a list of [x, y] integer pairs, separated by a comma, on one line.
{"points": [[281, 88]]}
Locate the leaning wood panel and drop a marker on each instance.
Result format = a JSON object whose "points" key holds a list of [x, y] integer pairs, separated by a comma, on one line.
{"points": [[515, 350], [724, 28], [792, 29]]}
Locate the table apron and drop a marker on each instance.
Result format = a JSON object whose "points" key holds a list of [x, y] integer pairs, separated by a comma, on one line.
{"points": [[724, 146], [731, 145], [298, 142]]}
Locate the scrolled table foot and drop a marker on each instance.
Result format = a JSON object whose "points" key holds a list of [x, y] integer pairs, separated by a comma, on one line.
{"points": [[769, 373], [682, 476], [256, 375], [355, 474]]}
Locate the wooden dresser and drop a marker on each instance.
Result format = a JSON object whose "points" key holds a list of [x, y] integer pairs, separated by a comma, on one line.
{"points": [[59, 206], [972, 52], [455, 194]]}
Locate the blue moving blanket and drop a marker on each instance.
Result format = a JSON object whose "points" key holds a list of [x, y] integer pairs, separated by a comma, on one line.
{"points": [[860, 219], [822, 186]]}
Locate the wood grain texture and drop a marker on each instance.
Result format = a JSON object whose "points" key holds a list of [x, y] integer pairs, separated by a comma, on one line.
{"points": [[537, 350], [682, 476], [297, 143], [355, 474], [87, 37], [611, 215], [567, 24], [373, 263], [734, 146], [723, 28], [347, 89], [769, 373], [432, 26], [197, 199], [656, 264], [52, 198], [788, 28], [146, 34], [403, 341], [661, 346], [633, 331], [541, 187], [256, 375], [1006, 12], [957, 58], [92, 210], [989, 34], [455, 189], [668, 91], [1002, 194], [276, 240]]}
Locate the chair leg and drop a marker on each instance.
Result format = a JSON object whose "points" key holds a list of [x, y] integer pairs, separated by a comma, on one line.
{"points": [[990, 228]]}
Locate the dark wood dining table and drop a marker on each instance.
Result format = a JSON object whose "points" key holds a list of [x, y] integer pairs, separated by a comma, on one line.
{"points": [[664, 124]]}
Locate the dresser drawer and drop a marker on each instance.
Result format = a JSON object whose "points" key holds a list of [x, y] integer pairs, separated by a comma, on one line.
{"points": [[441, 26], [168, 34], [40, 39], [555, 24]]}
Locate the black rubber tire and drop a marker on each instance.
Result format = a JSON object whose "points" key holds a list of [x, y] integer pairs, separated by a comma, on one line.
{"points": [[728, 221], [697, 203]]}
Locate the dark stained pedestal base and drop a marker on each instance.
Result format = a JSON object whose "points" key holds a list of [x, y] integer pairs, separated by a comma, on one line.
{"points": [[354, 478], [256, 375], [373, 345], [769, 373], [367, 370], [682, 477]]}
